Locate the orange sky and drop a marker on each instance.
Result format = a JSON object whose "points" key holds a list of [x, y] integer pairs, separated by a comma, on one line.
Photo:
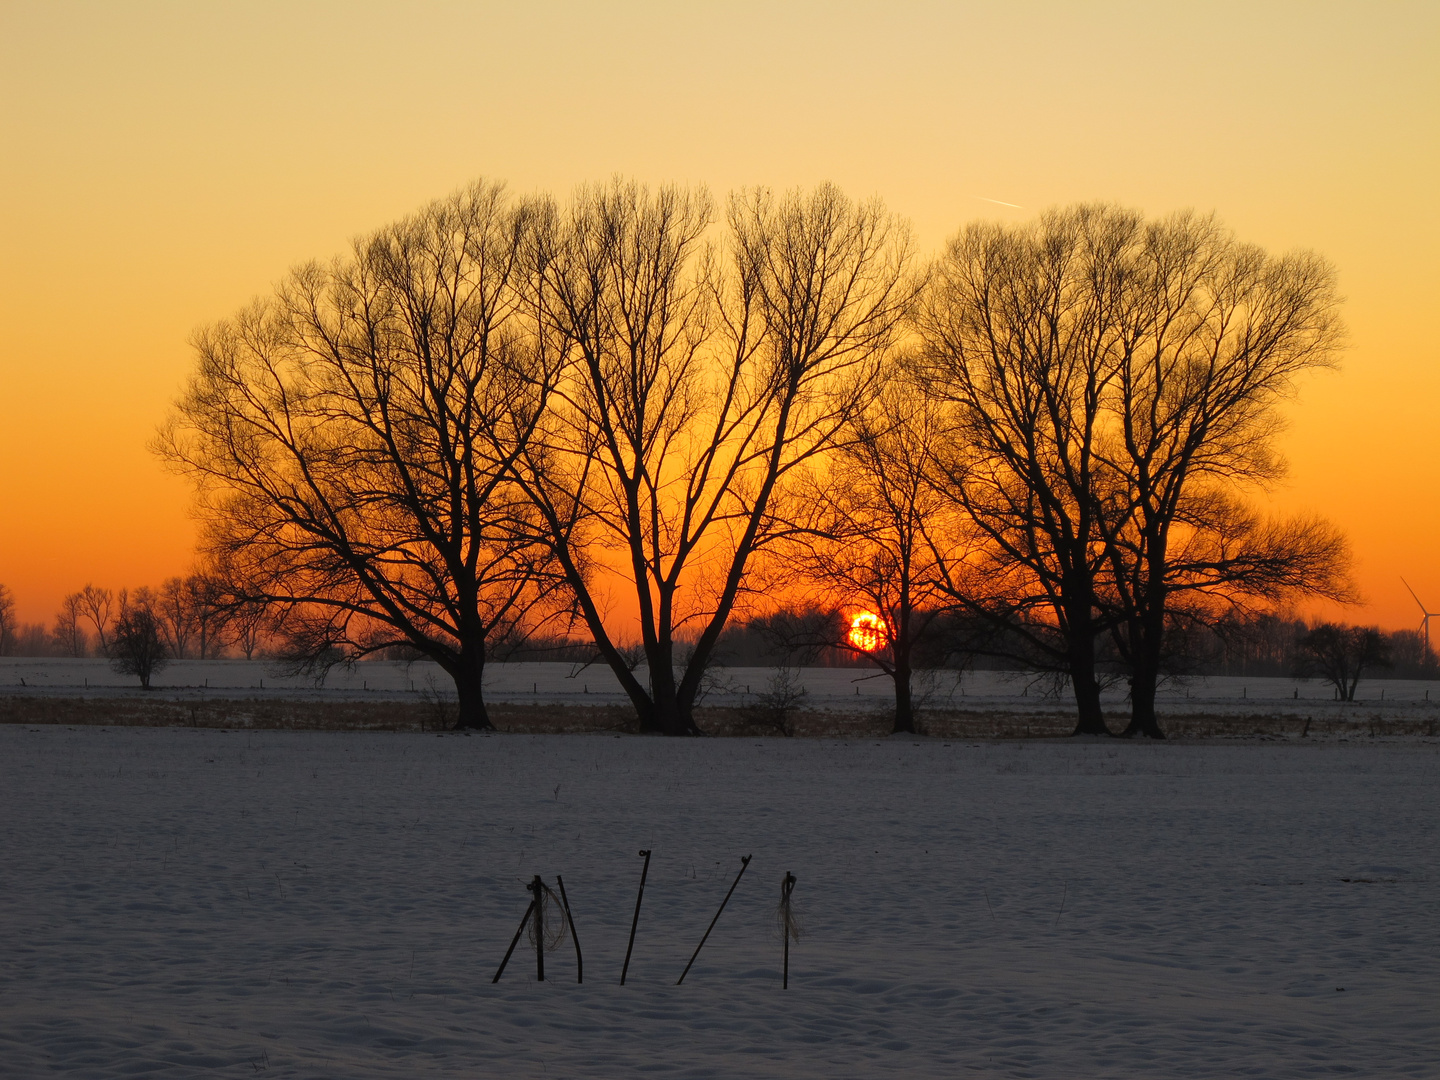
{"points": [[162, 163]]}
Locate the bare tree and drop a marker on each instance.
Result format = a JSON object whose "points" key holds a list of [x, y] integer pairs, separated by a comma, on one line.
{"points": [[1412, 654], [95, 604], [32, 639], [175, 610], [1018, 330], [248, 625], [208, 613], [775, 706], [137, 644], [192, 613], [1209, 336], [1113, 386], [867, 531], [352, 439], [1341, 654], [1231, 562], [696, 384], [9, 626], [69, 635]]}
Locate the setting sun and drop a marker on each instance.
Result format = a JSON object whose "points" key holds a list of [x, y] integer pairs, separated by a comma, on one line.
{"points": [[868, 631]]}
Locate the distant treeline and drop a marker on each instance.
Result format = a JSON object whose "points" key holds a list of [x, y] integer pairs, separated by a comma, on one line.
{"points": [[1265, 646], [191, 624], [192, 618]]}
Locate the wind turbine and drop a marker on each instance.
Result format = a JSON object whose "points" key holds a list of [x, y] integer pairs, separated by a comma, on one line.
{"points": [[1425, 622]]}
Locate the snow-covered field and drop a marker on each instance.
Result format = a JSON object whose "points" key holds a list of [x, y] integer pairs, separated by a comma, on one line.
{"points": [[333, 904], [570, 684]]}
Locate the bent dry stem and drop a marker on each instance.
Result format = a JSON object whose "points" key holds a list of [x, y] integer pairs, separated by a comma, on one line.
{"points": [[514, 941], [787, 926], [744, 863], [565, 900], [636, 920]]}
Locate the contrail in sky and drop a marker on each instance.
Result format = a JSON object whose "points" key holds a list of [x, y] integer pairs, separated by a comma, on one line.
{"points": [[997, 202]]}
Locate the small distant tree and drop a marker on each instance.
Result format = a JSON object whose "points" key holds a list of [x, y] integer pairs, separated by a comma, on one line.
{"points": [[69, 637], [137, 643], [1341, 654], [209, 614], [95, 604], [8, 626], [175, 608], [248, 625], [774, 708]]}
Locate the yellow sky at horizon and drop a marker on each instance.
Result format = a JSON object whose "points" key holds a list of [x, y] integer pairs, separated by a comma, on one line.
{"points": [[165, 162]]}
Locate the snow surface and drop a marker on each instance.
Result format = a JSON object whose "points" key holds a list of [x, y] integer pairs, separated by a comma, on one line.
{"points": [[303, 904]]}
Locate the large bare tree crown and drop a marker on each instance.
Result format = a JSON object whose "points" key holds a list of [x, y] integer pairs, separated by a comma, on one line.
{"points": [[353, 436], [1111, 386], [700, 372]]}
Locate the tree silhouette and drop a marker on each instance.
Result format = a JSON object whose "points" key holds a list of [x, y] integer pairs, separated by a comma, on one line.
{"points": [[68, 635], [871, 531], [695, 385], [1016, 337], [352, 440], [1111, 387], [95, 604], [137, 645], [1341, 654], [9, 626], [1210, 336]]}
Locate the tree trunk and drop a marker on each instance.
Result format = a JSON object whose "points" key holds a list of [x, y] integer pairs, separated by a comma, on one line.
{"points": [[1145, 648], [469, 689], [675, 710], [904, 700], [672, 712], [1143, 718], [1080, 650], [1090, 719], [676, 719]]}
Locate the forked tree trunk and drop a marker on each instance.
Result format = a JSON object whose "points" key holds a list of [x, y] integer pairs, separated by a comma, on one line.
{"points": [[664, 710], [677, 720], [671, 704], [1147, 645], [1090, 717], [675, 711], [469, 677], [1143, 718], [1144, 681]]}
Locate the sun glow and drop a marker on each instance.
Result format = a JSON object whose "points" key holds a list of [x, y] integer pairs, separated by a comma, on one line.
{"points": [[868, 631]]}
